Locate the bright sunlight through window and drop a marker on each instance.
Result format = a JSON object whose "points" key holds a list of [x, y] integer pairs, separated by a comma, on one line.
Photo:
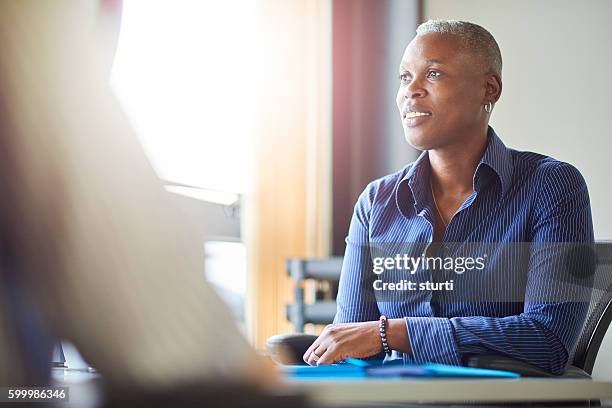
{"points": [[181, 74]]}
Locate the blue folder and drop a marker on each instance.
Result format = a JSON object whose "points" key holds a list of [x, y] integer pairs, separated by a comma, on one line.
{"points": [[355, 368], [326, 371]]}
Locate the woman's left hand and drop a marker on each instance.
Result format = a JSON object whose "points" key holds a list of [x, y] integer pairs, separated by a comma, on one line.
{"points": [[343, 340]]}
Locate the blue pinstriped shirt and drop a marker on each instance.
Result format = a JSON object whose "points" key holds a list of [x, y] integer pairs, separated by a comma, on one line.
{"points": [[518, 197]]}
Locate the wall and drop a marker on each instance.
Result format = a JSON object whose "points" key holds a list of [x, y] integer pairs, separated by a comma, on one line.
{"points": [[556, 78]]}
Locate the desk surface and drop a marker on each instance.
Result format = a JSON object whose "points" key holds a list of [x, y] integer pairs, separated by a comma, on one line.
{"points": [[408, 390], [447, 390]]}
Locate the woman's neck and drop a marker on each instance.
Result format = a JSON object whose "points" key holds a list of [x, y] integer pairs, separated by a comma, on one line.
{"points": [[453, 166]]}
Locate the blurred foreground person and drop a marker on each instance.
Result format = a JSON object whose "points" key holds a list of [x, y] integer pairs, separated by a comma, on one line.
{"points": [[91, 247]]}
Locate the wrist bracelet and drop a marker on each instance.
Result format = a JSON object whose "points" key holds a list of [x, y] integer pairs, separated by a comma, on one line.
{"points": [[383, 334]]}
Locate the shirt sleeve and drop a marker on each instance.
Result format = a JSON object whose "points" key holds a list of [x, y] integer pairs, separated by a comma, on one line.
{"points": [[356, 301], [545, 333]]}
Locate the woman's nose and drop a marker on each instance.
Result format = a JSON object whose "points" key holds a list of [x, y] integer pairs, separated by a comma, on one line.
{"points": [[414, 90]]}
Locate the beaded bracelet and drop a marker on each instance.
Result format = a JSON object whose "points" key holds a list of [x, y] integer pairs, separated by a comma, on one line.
{"points": [[383, 334]]}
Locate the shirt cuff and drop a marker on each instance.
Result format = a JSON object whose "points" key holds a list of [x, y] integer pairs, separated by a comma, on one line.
{"points": [[432, 340]]}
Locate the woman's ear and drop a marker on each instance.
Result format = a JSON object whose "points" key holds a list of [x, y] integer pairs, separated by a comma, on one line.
{"points": [[493, 88]]}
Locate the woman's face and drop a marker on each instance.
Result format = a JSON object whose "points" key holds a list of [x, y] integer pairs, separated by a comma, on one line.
{"points": [[442, 92]]}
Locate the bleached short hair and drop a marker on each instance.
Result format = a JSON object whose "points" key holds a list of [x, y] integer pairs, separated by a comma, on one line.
{"points": [[476, 39]]}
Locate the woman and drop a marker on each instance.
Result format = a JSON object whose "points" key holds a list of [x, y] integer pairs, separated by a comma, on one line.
{"points": [[467, 186]]}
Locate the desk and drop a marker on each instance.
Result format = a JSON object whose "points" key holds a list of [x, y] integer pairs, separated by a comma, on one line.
{"points": [[447, 390], [85, 393]]}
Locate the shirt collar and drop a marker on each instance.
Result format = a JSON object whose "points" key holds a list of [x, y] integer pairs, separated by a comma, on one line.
{"points": [[499, 159], [413, 188]]}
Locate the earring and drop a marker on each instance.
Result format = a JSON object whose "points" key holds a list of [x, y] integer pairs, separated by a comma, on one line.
{"points": [[488, 107]]}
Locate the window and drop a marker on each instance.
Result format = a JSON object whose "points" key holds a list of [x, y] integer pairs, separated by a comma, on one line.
{"points": [[183, 75]]}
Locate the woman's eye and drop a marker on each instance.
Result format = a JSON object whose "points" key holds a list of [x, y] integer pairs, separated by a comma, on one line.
{"points": [[433, 74]]}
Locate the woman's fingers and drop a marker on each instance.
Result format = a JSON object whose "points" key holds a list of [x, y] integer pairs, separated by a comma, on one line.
{"points": [[312, 359], [308, 355], [340, 341], [319, 351], [316, 354], [328, 357]]}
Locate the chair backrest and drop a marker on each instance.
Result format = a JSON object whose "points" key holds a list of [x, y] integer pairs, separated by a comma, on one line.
{"points": [[599, 313]]}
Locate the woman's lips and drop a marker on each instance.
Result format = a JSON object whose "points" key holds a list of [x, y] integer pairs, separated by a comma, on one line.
{"points": [[416, 118]]}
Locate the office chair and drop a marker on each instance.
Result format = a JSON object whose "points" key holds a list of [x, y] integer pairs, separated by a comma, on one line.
{"points": [[289, 348]]}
